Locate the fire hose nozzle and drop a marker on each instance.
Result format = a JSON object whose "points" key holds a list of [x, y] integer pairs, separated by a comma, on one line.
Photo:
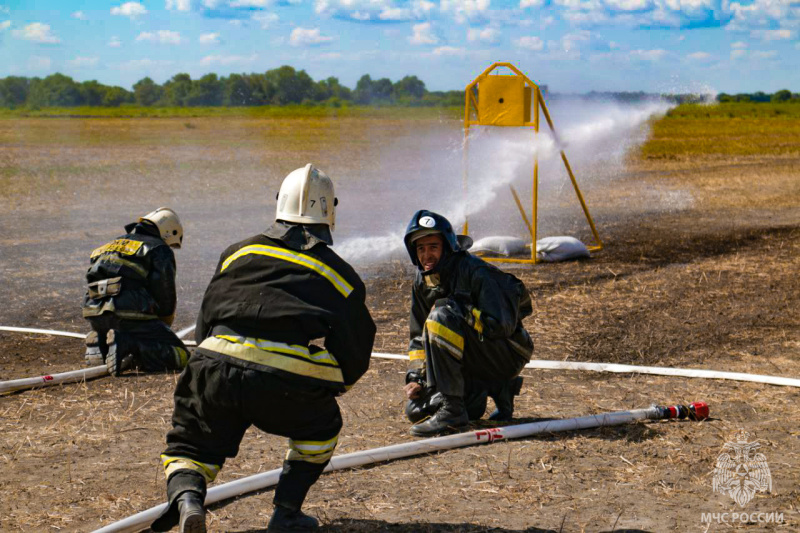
{"points": [[694, 411]]}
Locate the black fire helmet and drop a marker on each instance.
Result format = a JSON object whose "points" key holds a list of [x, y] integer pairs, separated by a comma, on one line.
{"points": [[425, 223]]}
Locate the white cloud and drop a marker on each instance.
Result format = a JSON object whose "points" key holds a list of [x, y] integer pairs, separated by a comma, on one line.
{"points": [[250, 3], [38, 63], [211, 4], [227, 60], [38, 33], [209, 38], [308, 37], [160, 36], [648, 55], [330, 56], [466, 10], [530, 43], [145, 64], [629, 5], [179, 5], [423, 34], [699, 56], [761, 13], [738, 53], [83, 62], [5, 25], [80, 15], [486, 35], [772, 35], [739, 45], [114, 42], [449, 51], [266, 20], [365, 10], [129, 9], [530, 3], [771, 54]]}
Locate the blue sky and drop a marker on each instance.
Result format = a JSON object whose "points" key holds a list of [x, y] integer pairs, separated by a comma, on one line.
{"points": [[573, 46]]}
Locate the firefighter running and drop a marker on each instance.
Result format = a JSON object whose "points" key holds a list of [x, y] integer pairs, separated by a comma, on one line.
{"points": [[130, 301], [467, 338], [270, 296]]}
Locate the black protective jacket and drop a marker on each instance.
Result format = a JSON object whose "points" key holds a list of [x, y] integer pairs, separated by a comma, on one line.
{"points": [[493, 302], [275, 293], [133, 277]]}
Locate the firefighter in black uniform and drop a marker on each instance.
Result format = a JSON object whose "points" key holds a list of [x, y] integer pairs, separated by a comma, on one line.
{"points": [[271, 295], [467, 338], [130, 302]]}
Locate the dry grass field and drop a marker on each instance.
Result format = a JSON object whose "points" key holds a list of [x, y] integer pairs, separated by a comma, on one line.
{"points": [[710, 283]]}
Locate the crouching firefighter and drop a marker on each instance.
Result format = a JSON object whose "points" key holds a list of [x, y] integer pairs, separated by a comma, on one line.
{"points": [[270, 296], [130, 301], [467, 339]]}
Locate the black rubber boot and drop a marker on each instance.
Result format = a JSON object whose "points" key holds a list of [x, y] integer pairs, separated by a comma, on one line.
{"points": [[94, 355], [504, 399], [186, 492], [193, 515], [451, 416], [288, 520], [121, 352], [422, 408]]}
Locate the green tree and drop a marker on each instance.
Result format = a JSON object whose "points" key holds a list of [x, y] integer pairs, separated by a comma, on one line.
{"points": [[409, 87], [14, 91], [781, 96], [363, 92], [92, 93], [54, 90], [177, 89], [207, 91], [116, 96], [146, 92], [236, 91], [291, 86]]}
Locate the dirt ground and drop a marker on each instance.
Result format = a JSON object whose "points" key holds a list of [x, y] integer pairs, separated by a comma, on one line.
{"points": [[712, 285]]}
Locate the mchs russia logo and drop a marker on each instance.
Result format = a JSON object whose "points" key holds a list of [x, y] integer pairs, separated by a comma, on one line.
{"points": [[740, 471]]}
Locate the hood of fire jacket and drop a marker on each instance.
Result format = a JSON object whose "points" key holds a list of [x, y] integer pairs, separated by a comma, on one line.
{"points": [[299, 236]]}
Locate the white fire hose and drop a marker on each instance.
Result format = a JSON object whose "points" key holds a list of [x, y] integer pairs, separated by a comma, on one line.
{"points": [[261, 481], [77, 375]]}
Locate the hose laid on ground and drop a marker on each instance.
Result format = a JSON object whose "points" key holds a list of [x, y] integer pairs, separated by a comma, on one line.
{"points": [[53, 379], [44, 332], [261, 481], [536, 363]]}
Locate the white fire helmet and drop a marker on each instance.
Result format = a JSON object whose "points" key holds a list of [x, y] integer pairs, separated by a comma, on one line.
{"points": [[168, 224], [307, 197]]}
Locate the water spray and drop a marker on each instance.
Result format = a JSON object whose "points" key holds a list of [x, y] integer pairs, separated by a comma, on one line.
{"points": [[264, 480]]}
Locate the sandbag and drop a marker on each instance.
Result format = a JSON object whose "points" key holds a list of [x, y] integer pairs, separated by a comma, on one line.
{"points": [[554, 249]]}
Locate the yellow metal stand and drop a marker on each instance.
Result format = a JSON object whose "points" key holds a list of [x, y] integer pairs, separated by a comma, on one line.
{"points": [[505, 100]]}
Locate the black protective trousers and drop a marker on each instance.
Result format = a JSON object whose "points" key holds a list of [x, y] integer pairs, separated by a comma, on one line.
{"points": [[154, 340], [216, 401], [454, 350]]}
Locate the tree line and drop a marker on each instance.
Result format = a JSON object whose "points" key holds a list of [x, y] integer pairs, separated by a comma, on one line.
{"points": [[280, 86], [784, 95]]}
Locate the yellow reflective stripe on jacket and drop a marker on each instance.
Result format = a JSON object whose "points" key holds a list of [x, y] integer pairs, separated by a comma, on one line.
{"points": [[416, 355], [122, 246], [139, 269], [293, 257], [446, 333], [311, 451], [477, 325], [272, 358], [322, 357], [173, 463]]}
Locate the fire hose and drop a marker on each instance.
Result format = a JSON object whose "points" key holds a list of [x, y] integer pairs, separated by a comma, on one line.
{"points": [[80, 375], [694, 411]]}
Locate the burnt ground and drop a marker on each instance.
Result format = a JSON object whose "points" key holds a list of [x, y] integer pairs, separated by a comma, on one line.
{"points": [[711, 285]]}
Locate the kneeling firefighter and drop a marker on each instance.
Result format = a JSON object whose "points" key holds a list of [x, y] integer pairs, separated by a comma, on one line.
{"points": [[270, 296], [131, 298], [467, 339]]}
